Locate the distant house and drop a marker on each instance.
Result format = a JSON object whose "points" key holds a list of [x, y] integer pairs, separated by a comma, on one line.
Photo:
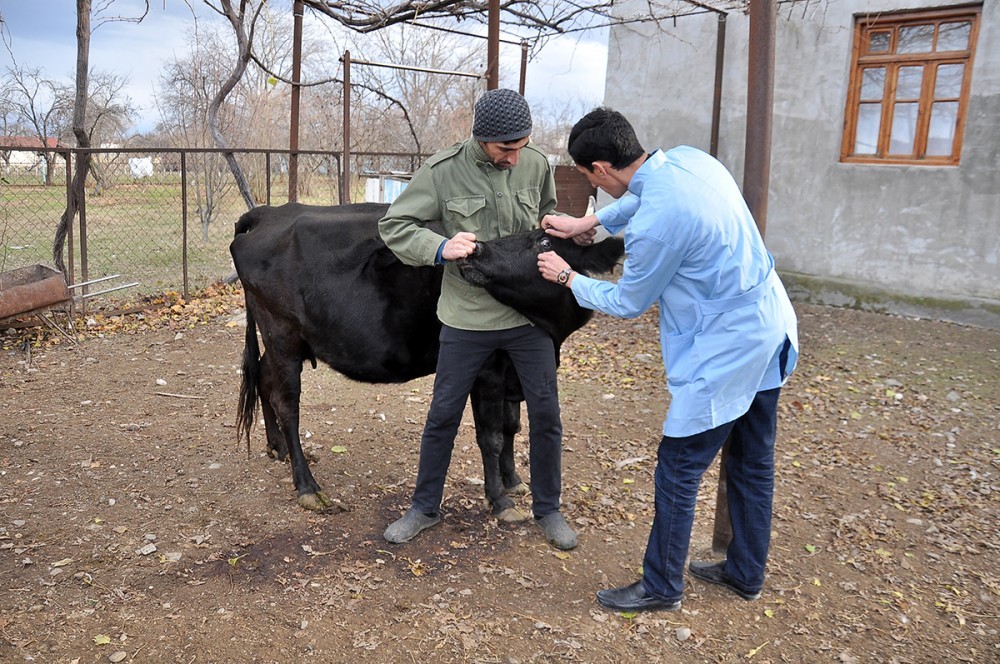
{"points": [[26, 155], [885, 166]]}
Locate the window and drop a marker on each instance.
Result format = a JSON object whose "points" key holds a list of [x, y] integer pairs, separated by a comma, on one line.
{"points": [[909, 87]]}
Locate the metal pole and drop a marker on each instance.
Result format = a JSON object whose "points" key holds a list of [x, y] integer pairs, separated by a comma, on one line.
{"points": [[184, 222], [720, 58], [345, 187], [387, 65], [493, 46], [760, 104], [267, 175], [524, 66], [70, 214], [293, 135], [84, 266]]}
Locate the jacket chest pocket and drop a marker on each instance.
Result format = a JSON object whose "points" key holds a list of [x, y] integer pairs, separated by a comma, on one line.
{"points": [[527, 205], [462, 211]]}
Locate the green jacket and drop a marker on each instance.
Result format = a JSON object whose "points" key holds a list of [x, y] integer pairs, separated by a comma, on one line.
{"points": [[462, 190]]}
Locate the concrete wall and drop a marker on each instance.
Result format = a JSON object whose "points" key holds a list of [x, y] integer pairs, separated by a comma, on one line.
{"points": [[914, 239]]}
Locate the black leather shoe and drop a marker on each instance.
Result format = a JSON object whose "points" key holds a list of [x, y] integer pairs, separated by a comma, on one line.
{"points": [[716, 573], [634, 598]]}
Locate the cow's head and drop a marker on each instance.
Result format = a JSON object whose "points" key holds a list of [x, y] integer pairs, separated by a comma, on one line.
{"points": [[508, 268]]}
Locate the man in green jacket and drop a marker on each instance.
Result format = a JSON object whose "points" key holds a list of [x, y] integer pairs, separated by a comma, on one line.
{"points": [[494, 184]]}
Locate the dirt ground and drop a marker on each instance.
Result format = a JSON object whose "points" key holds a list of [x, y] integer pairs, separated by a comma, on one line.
{"points": [[134, 527]]}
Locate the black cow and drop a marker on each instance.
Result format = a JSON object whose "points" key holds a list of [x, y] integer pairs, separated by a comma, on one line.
{"points": [[320, 284]]}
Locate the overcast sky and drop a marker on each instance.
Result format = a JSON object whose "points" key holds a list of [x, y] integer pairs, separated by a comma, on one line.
{"points": [[43, 34]]}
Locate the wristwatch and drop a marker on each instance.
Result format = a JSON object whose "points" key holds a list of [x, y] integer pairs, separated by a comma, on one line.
{"points": [[563, 276]]}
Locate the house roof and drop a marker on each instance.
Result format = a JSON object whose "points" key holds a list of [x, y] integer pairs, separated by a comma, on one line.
{"points": [[29, 142]]}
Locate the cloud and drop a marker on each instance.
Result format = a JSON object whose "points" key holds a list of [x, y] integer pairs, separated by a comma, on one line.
{"points": [[569, 69]]}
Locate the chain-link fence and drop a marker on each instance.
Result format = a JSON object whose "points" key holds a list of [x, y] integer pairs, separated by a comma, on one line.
{"points": [[163, 218]]}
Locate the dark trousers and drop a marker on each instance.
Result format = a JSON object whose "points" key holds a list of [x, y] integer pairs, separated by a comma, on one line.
{"points": [[462, 355], [680, 464]]}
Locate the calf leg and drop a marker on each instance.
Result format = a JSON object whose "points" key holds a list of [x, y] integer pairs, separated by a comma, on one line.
{"points": [[487, 411], [512, 482]]}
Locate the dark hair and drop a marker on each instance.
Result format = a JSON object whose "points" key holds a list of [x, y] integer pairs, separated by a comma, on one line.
{"points": [[604, 135]]}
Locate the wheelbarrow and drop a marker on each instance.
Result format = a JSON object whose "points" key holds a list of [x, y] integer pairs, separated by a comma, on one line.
{"points": [[34, 289]]}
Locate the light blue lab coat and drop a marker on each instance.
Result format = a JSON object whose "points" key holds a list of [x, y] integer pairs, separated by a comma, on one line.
{"points": [[692, 245]]}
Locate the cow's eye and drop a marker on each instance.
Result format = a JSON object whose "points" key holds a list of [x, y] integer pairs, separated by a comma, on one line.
{"points": [[545, 243]]}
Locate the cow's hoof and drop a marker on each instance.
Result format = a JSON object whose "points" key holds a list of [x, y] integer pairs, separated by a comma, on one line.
{"points": [[316, 502], [512, 515], [519, 489]]}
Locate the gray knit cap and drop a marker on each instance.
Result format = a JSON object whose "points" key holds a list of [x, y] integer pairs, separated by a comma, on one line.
{"points": [[501, 116]]}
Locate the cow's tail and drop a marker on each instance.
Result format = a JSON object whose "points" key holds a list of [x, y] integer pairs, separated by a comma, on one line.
{"points": [[247, 408]]}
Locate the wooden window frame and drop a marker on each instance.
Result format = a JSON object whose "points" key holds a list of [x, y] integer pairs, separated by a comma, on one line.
{"points": [[892, 61]]}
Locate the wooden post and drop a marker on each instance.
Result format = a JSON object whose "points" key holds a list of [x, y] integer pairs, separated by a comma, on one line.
{"points": [[493, 46], [760, 105], [756, 179], [524, 66]]}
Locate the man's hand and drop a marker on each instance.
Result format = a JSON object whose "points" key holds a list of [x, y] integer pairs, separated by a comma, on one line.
{"points": [[581, 229], [460, 246], [550, 264]]}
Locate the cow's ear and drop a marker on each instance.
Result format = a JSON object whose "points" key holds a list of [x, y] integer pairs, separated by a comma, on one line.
{"points": [[602, 256]]}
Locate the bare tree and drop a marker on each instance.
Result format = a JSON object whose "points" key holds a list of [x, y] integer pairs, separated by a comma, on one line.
{"points": [[37, 104], [109, 114], [243, 21], [550, 131], [436, 108], [83, 162], [185, 92], [8, 123]]}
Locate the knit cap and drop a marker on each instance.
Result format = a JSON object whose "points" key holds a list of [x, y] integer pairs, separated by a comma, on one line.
{"points": [[501, 116]]}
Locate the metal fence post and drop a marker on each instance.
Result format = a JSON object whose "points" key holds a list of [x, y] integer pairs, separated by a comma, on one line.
{"points": [[345, 189], [70, 214], [184, 222]]}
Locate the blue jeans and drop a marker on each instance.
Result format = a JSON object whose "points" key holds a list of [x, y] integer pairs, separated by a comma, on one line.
{"points": [[462, 355], [680, 465]]}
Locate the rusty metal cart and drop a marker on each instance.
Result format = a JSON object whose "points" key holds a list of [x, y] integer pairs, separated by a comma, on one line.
{"points": [[35, 289]]}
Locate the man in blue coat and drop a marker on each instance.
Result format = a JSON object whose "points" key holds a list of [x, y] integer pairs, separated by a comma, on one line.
{"points": [[728, 334]]}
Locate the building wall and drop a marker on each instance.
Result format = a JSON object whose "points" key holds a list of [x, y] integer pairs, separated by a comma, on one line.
{"points": [[913, 233]]}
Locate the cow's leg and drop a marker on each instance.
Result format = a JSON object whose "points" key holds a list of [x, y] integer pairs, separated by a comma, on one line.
{"points": [[277, 448], [285, 390], [512, 482], [492, 412], [488, 412]]}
